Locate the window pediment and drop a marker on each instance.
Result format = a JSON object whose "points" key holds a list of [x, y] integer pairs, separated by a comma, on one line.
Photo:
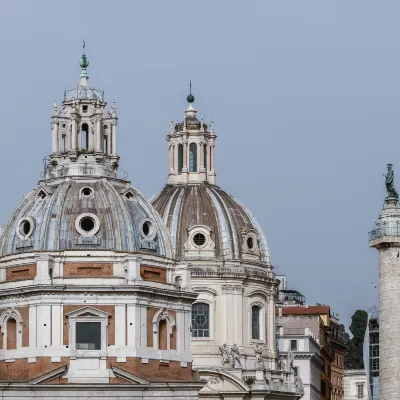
{"points": [[88, 312]]}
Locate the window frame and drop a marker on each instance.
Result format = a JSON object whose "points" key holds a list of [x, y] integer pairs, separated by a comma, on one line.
{"points": [[88, 314], [253, 307], [207, 296], [193, 150], [197, 303], [296, 347], [257, 301]]}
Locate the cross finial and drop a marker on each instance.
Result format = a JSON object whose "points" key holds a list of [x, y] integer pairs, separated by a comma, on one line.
{"points": [[83, 46], [190, 87]]}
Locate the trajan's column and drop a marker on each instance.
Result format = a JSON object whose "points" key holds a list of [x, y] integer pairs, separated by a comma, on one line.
{"points": [[386, 238]]}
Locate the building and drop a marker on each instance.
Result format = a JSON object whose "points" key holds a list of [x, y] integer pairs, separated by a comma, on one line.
{"points": [[288, 296], [371, 354], [337, 367], [386, 239], [92, 301], [355, 384], [233, 319], [300, 334], [300, 316]]}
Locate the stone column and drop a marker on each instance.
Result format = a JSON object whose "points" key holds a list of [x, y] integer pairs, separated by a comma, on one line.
{"points": [[133, 324], [120, 325], [73, 134], [208, 157], [271, 324], [114, 138], [185, 156], [55, 146], [98, 135]]}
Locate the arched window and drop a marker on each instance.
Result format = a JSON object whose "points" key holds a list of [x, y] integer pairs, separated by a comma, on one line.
{"points": [[193, 157], [255, 322], [201, 320], [11, 334], [85, 137], [180, 158]]}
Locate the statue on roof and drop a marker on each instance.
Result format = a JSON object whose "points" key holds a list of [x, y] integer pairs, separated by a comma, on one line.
{"points": [[389, 181]]}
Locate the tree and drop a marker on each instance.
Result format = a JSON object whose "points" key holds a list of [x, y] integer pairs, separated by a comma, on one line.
{"points": [[353, 358]]}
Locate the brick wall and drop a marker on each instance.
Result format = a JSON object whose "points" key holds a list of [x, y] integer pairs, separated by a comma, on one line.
{"points": [[153, 274], [20, 273], [88, 269]]}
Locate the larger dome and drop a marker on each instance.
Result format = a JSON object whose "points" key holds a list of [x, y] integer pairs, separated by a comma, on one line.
{"points": [[209, 211], [85, 213]]}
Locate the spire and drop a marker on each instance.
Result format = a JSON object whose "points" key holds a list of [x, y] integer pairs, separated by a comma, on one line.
{"points": [[84, 63], [190, 98]]}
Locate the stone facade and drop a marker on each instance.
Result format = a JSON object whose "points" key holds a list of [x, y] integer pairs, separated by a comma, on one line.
{"points": [[355, 385], [386, 238], [233, 330]]}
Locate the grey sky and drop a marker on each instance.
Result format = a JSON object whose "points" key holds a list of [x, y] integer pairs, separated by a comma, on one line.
{"points": [[305, 97]]}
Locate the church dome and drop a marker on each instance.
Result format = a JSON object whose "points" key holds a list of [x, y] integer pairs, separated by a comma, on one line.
{"points": [[205, 221], [77, 214]]}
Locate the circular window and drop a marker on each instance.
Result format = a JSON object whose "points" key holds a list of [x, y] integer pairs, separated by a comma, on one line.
{"points": [[87, 224], [25, 227], [199, 239], [87, 192], [250, 243]]}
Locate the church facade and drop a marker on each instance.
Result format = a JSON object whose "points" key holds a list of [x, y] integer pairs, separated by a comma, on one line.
{"points": [[106, 294]]}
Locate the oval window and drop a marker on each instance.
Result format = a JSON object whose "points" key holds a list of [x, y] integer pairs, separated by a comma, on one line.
{"points": [[25, 227], [199, 239], [147, 228], [250, 243]]}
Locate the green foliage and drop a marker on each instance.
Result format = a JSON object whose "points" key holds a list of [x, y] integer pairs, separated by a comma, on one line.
{"points": [[353, 358]]}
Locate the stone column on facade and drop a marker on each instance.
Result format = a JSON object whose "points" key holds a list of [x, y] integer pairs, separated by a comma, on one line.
{"points": [[32, 329], [98, 134], [238, 319], [271, 324], [55, 145], [208, 157], [56, 328], [212, 172], [114, 138], [133, 325], [120, 325], [79, 136], [185, 160], [73, 133], [43, 263]]}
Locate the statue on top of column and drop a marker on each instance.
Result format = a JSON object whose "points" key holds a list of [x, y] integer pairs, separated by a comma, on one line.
{"points": [[389, 181]]}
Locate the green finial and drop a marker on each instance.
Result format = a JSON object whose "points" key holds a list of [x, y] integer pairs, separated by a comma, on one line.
{"points": [[84, 62]]}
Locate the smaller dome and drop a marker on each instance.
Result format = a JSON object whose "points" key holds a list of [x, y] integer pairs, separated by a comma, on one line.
{"points": [[84, 62]]}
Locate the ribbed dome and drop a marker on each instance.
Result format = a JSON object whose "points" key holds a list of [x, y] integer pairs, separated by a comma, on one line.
{"points": [[235, 232], [95, 214]]}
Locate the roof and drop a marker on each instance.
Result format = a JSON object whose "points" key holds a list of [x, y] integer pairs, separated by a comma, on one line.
{"points": [[183, 207], [304, 310]]}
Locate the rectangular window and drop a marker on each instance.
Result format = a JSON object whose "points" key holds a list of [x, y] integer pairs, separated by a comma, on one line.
{"points": [[88, 335], [84, 109], [360, 390], [255, 322], [293, 345]]}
